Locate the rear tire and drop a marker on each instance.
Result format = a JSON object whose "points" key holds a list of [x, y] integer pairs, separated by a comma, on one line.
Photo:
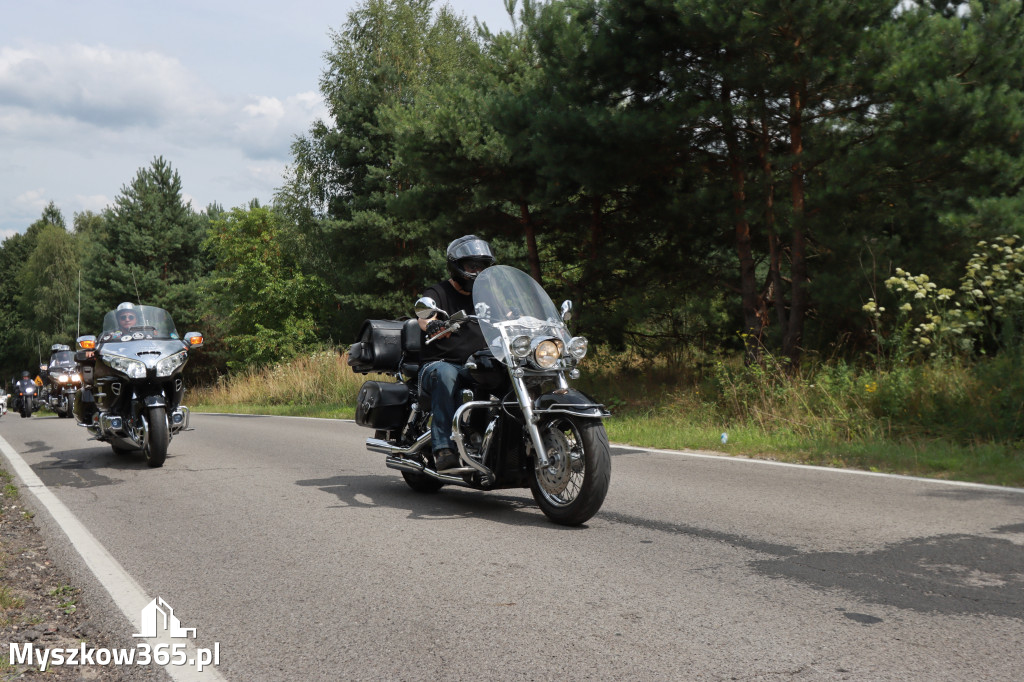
{"points": [[422, 483], [158, 438], [573, 486]]}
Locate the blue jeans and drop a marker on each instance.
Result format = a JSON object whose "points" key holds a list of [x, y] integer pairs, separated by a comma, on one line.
{"points": [[441, 382]]}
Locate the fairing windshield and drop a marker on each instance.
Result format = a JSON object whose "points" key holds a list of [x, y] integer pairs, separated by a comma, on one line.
{"points": [[64, 358], [139, 322], [510, 304]]}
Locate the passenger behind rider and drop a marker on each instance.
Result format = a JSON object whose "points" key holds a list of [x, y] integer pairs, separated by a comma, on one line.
{"points": [[444, 374]]}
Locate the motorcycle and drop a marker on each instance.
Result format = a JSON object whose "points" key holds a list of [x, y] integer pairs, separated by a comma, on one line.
{"points": [[133, 385], [25, 400], [523, 427], [63, 379]]}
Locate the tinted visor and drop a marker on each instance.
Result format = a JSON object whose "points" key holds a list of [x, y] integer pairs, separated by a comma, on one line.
{"points": [[472, 248]]}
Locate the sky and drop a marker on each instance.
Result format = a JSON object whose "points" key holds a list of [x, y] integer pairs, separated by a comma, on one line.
{"points": [[93, 90]]}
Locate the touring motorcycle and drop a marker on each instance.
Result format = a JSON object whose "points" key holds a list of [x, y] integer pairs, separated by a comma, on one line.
{"points": [[523, 426], [63, 380], [133, 384], [25, 395]]}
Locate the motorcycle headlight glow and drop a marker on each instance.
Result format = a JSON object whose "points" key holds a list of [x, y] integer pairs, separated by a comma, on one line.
{"points": [[547, 353], [578, 347], [166, 366], [62, 378], [133, 368], [76, 378], [521, 346]]}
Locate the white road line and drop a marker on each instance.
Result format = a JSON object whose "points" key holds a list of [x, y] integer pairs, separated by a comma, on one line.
{"points": [[724, 457], [127, 594]]}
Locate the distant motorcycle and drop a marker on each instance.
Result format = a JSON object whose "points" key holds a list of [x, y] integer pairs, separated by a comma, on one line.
{"points": [[25, 392], [63, 380], [525, 426], [134, 384]]}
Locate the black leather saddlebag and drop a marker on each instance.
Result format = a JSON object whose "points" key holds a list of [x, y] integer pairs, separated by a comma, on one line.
{"points": [[379, 348], [383, 405]]}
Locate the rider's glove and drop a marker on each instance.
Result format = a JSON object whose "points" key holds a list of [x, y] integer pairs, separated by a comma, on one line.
{"points": [[434, 327]]}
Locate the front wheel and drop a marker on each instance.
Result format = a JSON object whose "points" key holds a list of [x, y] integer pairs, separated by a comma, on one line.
{"points": [[573, 486], [158, 438]]}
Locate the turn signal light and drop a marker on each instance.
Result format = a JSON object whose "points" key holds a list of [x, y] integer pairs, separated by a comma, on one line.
{"points": [[86, 344], [196, 340]]}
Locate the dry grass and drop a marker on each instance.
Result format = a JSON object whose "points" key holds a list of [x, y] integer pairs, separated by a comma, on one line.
{"points": [[318, 384]]}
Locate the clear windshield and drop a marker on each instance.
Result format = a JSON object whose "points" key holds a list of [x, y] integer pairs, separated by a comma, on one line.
{"points": [[146, 320], [64, 358], [510, 303]]}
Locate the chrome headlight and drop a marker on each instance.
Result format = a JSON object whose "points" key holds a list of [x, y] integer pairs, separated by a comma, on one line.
{"points": [[133, 368], [547, 353], [521, 346], [62, 378], [166, 366], [578, 347]]}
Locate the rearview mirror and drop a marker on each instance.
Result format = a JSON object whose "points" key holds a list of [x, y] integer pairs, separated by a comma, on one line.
{"points": [[426, 308], [566, 311], [194, 340]]}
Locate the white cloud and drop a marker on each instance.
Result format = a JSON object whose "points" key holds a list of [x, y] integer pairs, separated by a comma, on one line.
{"points": [[33, 199], [85, 118], [97, 85], [93, 202], [269, 124]]}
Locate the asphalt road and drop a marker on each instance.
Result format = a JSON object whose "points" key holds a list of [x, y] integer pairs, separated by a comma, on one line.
{"points": [[295, 550]]}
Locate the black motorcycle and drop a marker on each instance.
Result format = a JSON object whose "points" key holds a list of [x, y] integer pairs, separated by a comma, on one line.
{"points": [[133, 385], [522, 427], [62, 380], [26, 394]]}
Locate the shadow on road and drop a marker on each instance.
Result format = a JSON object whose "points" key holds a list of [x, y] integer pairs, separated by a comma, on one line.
{"points": [[85, 467], [947, 574], [449, 502]]}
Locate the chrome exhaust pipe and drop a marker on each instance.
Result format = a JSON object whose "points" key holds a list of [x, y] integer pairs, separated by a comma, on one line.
{"points": [[415, 467], [386, 448]]}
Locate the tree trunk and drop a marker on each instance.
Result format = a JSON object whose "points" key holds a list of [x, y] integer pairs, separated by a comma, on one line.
{"points": [[750, 301], [531, 241], [793, 337]]}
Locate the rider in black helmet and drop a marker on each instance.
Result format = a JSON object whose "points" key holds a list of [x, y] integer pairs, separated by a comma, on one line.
{"points": [[443, 375], [466, 257]]}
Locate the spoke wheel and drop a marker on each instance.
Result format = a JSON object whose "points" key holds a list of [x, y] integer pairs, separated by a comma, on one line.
{"points": [[573, 485]]}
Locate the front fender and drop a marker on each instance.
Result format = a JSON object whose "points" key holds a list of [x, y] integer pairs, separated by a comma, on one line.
{"points": [[569, 401]]}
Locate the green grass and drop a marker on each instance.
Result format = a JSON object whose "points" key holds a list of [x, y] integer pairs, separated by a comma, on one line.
{"points": [[962, 422]]}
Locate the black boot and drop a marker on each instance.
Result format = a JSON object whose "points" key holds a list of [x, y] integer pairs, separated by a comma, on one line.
{"points": [[445, 459]]}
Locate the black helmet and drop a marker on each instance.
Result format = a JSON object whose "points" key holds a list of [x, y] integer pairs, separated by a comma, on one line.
{"points": [[25, 374], [467, 252]]}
